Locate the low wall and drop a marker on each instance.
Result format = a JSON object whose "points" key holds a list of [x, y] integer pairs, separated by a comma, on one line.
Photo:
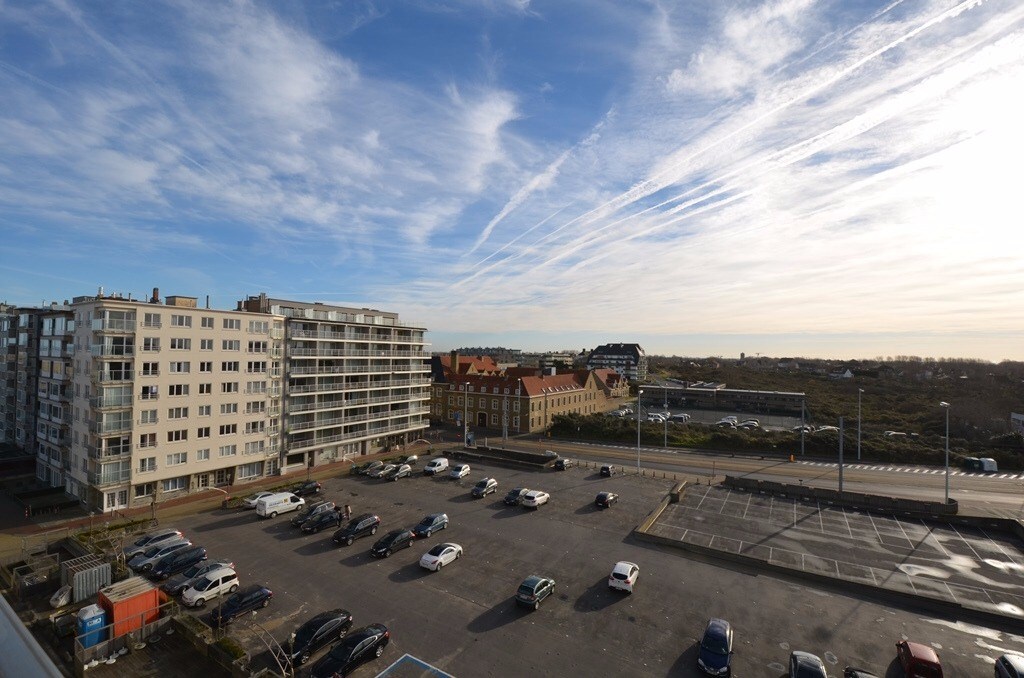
{"points": [[876, 503], [501, 455]]}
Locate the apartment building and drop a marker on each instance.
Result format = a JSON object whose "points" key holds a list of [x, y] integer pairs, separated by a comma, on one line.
{"points": [[629, 360], [51, 375], [169, 398], [8, 372], [357, 380]]}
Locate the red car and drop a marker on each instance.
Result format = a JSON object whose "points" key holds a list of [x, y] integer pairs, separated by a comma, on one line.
{"points": [[918, 661]]}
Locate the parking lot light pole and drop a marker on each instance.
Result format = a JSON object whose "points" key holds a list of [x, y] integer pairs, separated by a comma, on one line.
{"points": [[945, 405], [859, 392], [465, 415], [665, 442], [639, 392]]}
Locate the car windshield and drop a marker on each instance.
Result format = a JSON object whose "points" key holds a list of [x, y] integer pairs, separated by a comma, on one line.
{"points": [[142, 541], [193, 571], [427, 522], [437, 550], [715, 643], [153, 550], [482, 484]]}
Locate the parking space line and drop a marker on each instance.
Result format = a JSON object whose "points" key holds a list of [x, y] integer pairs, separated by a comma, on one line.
{"points": [[749, 497], [706, 493], [935, 539], [794, 513], [877, 533], [998, 546], [821, 523], [726, 502], [909, 540], [976, 555], [951, 594], [847, 520], [771, 507], [911, 580]]}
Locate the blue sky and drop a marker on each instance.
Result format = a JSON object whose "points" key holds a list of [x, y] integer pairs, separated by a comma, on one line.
{"points": [[787, 178]]}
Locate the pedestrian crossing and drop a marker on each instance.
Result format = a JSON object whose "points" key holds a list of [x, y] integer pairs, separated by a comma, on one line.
{"points": [[916, 469]]}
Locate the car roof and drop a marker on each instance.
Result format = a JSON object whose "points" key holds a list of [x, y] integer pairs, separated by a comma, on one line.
{"points": [[605, 494], [1015, 660], [624, 566], [533, 580], [922, 651], [363, 516], [220, 572], [536, 492], [251, 588], [807, 658], [324, 617], [435, 516]]}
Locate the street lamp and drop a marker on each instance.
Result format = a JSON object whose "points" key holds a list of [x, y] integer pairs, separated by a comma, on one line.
{"points": [[859, 392], [945, 405], [465, 414], [639, 392]]}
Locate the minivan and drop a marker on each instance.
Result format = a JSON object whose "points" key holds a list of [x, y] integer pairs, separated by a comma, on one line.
{"points": [[211, 585], [435, 466], [280, 502], [150, 539]]}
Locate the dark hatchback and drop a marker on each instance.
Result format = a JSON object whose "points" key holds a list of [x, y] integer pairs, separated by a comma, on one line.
{"points": [[360, 526], [715, 654], [515, 496], [310, 510], [431, 524], [363, 469], [358, 647], [176, 562], [322, 520], [241, 601], [605, 499], [317, 633], [305, 489], [395, 540], [563, 464], [533, 590], [607, 471]]}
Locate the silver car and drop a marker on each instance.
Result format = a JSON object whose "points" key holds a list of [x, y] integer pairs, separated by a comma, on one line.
{"points": [[143, 562], [151, 538]]}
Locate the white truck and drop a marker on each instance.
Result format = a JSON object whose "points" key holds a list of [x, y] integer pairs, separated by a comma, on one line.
{"points": [[279, 502]]}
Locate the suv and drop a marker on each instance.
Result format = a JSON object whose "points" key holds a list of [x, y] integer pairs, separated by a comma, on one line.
{"points": [[240, 602], [177, 562], [485, 487], [312, 511], [533, 590], [360, 526], [431, 524], [179, 582], [318, 632], [210, 585], [150, 539], [607, 471], [403, 471], [322, 520], [515, 496], [395, 540], [563, 464]]}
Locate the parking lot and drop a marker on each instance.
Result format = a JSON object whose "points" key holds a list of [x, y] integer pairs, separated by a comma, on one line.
{"points": [[462, 621]]}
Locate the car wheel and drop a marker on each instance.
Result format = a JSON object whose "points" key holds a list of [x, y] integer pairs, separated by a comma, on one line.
{"points": [[200, 602], [536, 605], [439, 566], [273, 514], [373, 530], [234, 587], [304, 658], [429, 532], [387, 553], [265, 602], [348, 542], [379, 651], [444, 526], [458, 554]]}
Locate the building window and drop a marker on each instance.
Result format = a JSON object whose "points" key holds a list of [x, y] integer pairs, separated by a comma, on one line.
{"points": [[206, 322], [206, 344], [231, 345], [203, 454], [256, 366], [206, 366], [255, 426], [205, 389], [494, 403], [151, 320], [149, 393], [150, 369], [494, 420], [259, 326], [178, 389], [256, 387], [229, 387], [515, 423], [177, 436], [147, 464], [257, 347], [227, 450], [255, 447], [177, 413], [147, 440], [177, 458], [229, 366], [180, 367], [151, 344], [256, 407], [204, 410], [232, 324], [252, 470], [203, 432], [147, 417], [228, 429], [145, 490], [181, 320], [175, 484], [181, 344], [229, 408]]}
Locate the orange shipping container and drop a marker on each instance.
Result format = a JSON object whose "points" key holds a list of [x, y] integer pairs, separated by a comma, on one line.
{"points": [[130, 604]]}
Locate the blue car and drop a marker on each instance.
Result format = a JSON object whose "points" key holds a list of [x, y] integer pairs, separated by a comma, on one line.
{"points": [[715, 655]]}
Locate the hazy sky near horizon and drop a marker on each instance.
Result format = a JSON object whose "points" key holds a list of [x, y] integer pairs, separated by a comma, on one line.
{"points": [[793, 177]]}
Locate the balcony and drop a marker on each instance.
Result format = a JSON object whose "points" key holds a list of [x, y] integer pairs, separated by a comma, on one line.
{"points": [[115, 326], [112, 351], [115, 376], [104, 428], [98, 453], [103, 478], [106, 402]]}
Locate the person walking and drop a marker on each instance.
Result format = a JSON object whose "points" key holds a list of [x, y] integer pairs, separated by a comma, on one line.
{"points": [[348, 512]]}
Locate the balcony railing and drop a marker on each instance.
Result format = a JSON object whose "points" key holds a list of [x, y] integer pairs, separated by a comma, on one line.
{"points": [[355, 435], [109, 453], [103, 402], [116, 351], [354, 353], [102, 478], [119, 375], [109, 427], [110, 325]]}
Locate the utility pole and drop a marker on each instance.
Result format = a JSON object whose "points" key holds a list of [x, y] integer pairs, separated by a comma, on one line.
{"points": [[859, 392], [840, 455], [803, 426]]}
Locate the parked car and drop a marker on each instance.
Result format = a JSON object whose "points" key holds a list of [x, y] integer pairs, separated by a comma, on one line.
{"points": [[402, 471], [440, 555], [918, 660], [826, 429], [317, 633], [144, 562], [279, 502], [854, 672], [605, 499], [380, 471], [1010, 666], [681, 417], [209, 586], [563, 464], [535, 498], [364, 469], [459, 471], [252, 597], [485, 487], [177, 562], [515, 496], [360, 526], [249, 502], [151, 538], [753, 422], [623, 576], [726, 424], [534, 590], [806, 665], [748, 425], [395, 540], [803, 429], [322, 520], [358, 647], [311, 511], [435, 466], [715, 654], [409, 459], [181, 581], [306, 488], [431, 524], [607, 471]]}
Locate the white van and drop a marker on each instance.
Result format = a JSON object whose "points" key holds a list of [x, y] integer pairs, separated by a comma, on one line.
{"points": [[281, 502], [435, 466], [210, 585], [989, 465]]}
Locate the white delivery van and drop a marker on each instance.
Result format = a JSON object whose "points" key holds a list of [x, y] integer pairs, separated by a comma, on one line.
{"points": [[280, 502], [988, 465], [435, 466]]}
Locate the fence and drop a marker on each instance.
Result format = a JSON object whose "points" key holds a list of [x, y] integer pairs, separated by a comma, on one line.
{"points": [[125, 643]]}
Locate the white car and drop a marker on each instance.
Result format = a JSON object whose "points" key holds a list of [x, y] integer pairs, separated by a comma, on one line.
{"points": [[535, 498], [253, 499], [624, 576], [440, 555], [210, 585], [459, 471]]}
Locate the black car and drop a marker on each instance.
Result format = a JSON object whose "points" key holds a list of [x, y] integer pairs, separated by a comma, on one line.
{"points": [[321, 520], [563, 464], [307, 488], [181, 581], [241, 601], [515, 496], [360, 526], [607, 471], [533, 590], [311, 510], [715, 653], [177, 562], [395, 540], [317, 633], [358, 647], [605, 499], [363, 469], [431, 524]]}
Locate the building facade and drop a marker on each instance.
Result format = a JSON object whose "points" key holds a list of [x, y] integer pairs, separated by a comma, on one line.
{"points": [[54, 406], [629, 360], [8, 372]]}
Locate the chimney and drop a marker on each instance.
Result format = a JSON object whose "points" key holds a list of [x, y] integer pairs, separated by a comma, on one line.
{"points": [[155, 299], [454, 357]]}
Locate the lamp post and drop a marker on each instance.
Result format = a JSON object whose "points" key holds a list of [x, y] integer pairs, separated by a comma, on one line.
{"points": [[639, 392], [859, 392], [465, 414], [945, 405], [803, 426]]}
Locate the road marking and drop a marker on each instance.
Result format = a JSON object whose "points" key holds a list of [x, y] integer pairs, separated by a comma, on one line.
{"points": [[724, 503], [749, 497], [706, 493], [976, 554], [935, 539], [998, 546], [847, 523], [821, 523], [877, 533], [419, 663], [909, 540]]}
